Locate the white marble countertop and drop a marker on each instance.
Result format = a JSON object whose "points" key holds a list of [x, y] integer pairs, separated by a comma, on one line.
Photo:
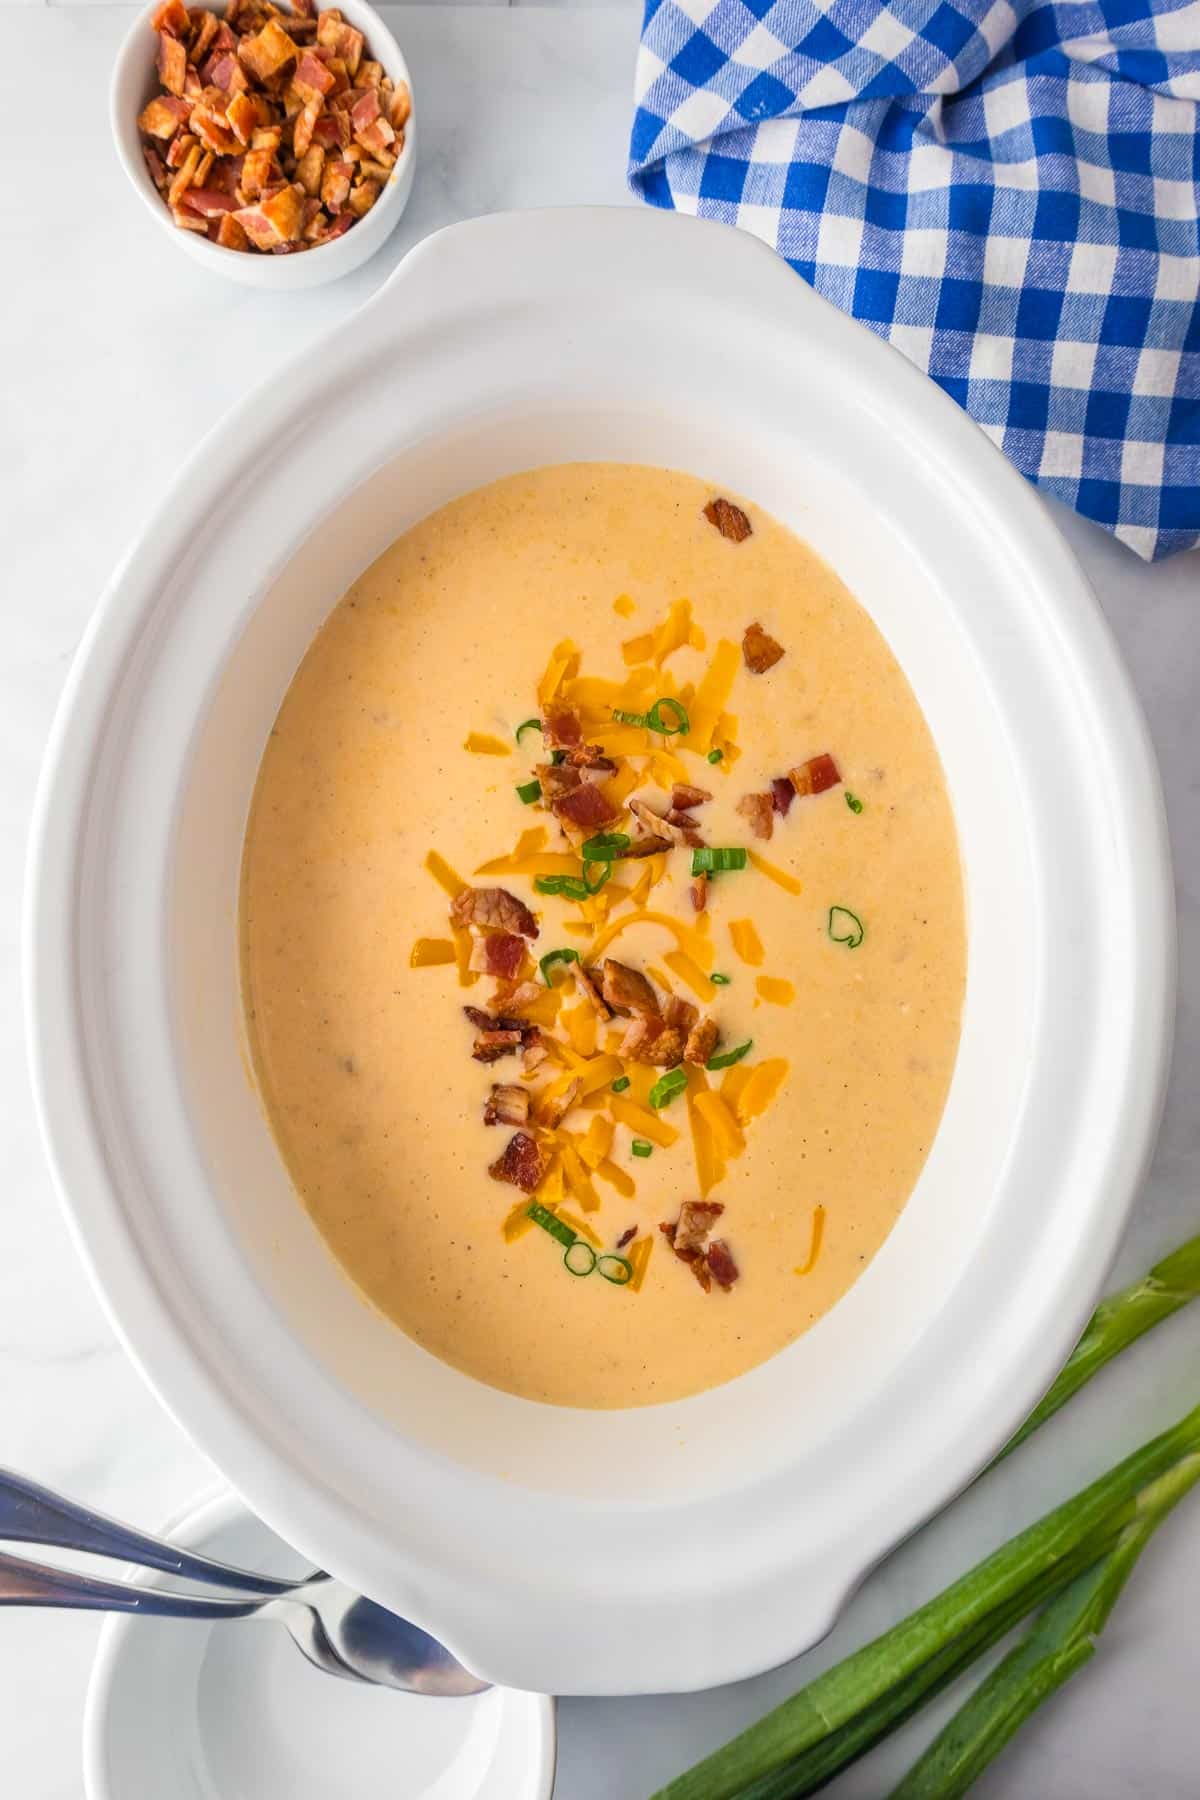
{"points": [[116, 360]]}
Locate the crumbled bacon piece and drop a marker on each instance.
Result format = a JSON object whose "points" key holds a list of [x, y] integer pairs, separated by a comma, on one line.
{"points": [[156, 166], [584, 806], [210, 203], [172, 16], [759, 809], [534, 1052], [729, 519], [206, 24], [171, 63], [647, 846], [313, 79], [591, 756], [782, 795], [268, 53], [702, 1041], [684, 796], [699, 892], [627, 1236], [342, 39], [760, 651], [554, 1109], [491, 1045], [626, 990], [524, 994], [497, 1020], [640, 1033], [666, 1051], [494, 907], [561, 728], [163, 116], [400, 110], [721, 1265], [231, 235], [499, 953], [212, 128], [276, 219], [688, 1234], [689, 1238], [588, 982], [522, 1162], [815, 775], [506, 1104], [557, 778], [335, 184], [680, 1013], [661, 827]]}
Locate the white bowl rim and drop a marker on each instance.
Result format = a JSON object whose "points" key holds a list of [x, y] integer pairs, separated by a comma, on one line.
{"points": [[194, 1527], [314, 267], [143, 1317]]}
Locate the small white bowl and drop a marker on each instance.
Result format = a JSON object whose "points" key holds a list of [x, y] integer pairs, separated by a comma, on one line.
{"points": [[216, 1712], [134, 84]]}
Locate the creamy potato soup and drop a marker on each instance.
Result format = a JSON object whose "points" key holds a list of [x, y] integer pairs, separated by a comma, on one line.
{"points": [[603, 936]]}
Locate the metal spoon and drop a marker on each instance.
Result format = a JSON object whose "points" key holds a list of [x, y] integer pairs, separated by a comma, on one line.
{"points": [[338, 1630]]}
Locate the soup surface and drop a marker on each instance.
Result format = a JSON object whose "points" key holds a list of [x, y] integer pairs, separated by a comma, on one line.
{"points": [[394, 871]]}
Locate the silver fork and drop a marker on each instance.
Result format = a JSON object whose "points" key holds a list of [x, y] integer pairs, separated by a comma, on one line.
{"points": [[338, 1630]]}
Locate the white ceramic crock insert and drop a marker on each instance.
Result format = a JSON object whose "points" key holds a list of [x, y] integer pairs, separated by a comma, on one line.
{"points": [[683, 1545]]}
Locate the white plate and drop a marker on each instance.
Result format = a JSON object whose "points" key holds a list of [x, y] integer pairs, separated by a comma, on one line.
{"points": [[554, 1549], [180, 1710]]}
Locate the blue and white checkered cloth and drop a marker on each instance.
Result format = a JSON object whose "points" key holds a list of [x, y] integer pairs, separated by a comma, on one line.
{"points": [[1007, 191]]}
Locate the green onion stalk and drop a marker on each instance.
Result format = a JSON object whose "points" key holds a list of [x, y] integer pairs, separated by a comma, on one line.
{"points": [[1070, 1567]]}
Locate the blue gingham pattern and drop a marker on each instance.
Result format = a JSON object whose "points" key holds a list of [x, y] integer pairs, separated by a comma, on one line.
{"points": [[1006, 191]]}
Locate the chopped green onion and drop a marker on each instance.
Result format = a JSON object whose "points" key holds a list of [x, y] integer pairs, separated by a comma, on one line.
{"points": [[614, 1268], [606, 846], [628, 718], [571, 887], [707, 861], [642, 1147], [720, 980], [714, 756], [580, 1258], [558, 1228], [528, 792], [668, 1085], [727, 1058], [845, 927], [853, 802], [555, 956], [558, 756], [656, 722], [620, 1084], [527, 725]]}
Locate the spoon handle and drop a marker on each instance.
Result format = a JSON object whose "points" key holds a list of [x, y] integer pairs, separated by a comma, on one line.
{"points": [[36, 1584], [31, 1514]]}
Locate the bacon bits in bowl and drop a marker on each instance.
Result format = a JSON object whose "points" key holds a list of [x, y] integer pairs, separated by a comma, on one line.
{"points": [[277, 147]]}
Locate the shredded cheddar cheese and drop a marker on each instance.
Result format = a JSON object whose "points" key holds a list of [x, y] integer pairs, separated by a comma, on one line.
{"points": [[727, 1136], [643, 1123], [746, 941], [638, 1257], [814, 1245], [480, 743], [444, 875], [429, 953], [690, 971], [777, 991], [779, 876]]}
